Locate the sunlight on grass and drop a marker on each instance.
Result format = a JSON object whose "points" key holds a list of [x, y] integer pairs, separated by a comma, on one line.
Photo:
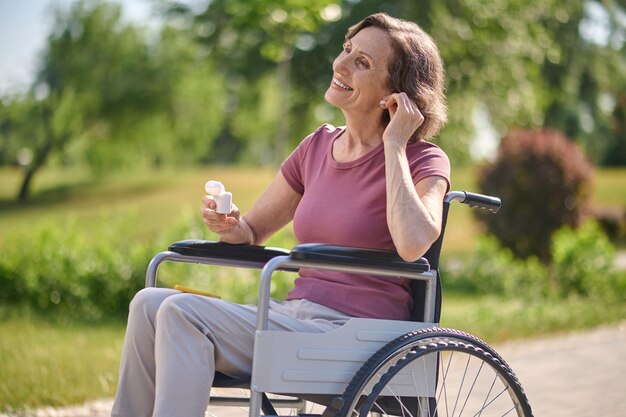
{"points": [[158, 198], [610, 187], [497, 319], [47, 363]]}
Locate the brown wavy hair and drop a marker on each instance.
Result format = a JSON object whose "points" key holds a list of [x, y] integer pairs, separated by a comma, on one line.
{"points": [[415, 68]]}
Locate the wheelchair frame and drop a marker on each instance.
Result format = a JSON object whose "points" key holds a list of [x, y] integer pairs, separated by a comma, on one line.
{"points": [[329, 362]]}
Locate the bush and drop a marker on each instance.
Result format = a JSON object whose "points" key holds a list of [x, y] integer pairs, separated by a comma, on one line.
{"points": [[582, 266], [69, 270], [612, 220], [493, 269], [544, 182], [93, 273]]}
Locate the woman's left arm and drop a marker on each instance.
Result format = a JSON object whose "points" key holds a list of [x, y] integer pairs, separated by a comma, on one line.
{"points": [[414, 212]]}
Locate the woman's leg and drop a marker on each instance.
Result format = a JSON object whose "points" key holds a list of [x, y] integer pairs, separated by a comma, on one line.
{"points": [[175, 342], [198, 335], [136, 386]]}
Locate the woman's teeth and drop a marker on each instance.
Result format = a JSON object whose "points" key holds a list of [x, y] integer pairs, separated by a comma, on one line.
{"points": [[342, 85]]}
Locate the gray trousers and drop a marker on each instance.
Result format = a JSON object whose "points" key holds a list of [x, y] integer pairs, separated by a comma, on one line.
{"points": [[176, 341]]}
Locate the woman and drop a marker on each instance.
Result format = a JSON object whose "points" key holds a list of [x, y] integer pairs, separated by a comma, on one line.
{"points": [[374, 183]]}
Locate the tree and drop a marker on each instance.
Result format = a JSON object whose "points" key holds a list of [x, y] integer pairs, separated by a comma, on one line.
{"points": [[97, 74], [250, 41], [528, 64]]}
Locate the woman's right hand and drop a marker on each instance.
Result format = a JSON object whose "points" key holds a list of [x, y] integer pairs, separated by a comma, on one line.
{"points": [[221, 224]]}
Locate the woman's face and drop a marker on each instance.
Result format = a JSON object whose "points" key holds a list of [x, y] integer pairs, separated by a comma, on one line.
{"points": [[360, 72]]}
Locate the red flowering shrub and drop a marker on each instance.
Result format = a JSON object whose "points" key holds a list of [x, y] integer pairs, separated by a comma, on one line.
{"points": [[544, 182]]}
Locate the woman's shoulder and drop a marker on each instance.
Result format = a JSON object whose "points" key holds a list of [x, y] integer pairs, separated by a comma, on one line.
{"points": [[322, 136], [327, 131], [423, 147], [317, 141]]}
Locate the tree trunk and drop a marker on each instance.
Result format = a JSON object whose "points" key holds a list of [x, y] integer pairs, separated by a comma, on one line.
{"points": [[29, 172], [41, 155]]}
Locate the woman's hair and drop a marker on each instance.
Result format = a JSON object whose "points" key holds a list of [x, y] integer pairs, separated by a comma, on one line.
{"points": [[415, 68]]}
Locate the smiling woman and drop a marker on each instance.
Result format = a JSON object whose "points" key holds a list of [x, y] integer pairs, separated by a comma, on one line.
{"points": [[373, 183]]}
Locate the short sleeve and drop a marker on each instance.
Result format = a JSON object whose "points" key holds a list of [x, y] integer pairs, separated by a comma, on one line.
{"points": [[429, 161], [292, 168]]}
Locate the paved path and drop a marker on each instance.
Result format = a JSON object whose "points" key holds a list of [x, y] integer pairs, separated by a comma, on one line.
{"points": [[577, 374]]}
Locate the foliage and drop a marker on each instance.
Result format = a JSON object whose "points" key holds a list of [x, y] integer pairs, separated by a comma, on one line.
{"points": [[582, 266], [96, 75], [251, 42], [547, 75], [92, 273], [240, 81], [544, 182], [492, 269]]}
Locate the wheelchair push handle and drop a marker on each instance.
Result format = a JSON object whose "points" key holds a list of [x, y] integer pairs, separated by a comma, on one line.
{"points": [[475, 200]]}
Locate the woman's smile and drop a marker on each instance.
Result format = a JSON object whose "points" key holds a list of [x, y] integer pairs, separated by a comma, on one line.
{"points": [[338, 84]]}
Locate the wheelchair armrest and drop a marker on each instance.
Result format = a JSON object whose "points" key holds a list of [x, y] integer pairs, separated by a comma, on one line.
{"points": [[350, 256], [210, 249]]}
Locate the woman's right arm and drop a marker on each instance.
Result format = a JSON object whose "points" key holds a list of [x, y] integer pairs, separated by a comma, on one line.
{"points": [[273, 210]]}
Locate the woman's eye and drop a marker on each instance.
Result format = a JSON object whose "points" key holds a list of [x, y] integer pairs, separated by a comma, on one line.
{"points": [[363, 62], [347, 48]]}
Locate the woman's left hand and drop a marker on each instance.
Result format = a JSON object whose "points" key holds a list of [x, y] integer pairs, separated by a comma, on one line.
{"points": [[405, 118]]}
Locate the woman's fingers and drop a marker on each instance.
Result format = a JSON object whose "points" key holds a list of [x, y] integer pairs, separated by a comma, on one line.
{"points": [[217, 222], [405, 116]]}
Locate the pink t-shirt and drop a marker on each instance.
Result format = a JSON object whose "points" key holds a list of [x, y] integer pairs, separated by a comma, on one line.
{"points": [[345, 204]]}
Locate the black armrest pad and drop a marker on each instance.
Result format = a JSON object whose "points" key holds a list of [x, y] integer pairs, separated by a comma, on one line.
{"points": [[210, 249], [344, 255]]}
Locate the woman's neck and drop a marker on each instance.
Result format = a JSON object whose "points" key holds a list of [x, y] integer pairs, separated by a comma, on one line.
{"points": [[363, 130], [360, 137]]}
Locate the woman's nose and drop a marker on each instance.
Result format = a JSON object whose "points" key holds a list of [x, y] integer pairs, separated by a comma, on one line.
{"points": [[340, 65]]}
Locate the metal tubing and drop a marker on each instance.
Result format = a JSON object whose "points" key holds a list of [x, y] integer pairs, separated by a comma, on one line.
{"points": [[455, 196], [153, 266], [285, 262], [151, 272], [256, 399], [245, 402]]}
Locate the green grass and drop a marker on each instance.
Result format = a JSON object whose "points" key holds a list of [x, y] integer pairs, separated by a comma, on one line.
{"points": [[496, 319], [158, 197], [53, 361], [49, 362], [610, 187]]}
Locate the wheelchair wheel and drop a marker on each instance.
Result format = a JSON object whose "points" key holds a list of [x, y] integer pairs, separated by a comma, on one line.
{"points": [[435, 372]]}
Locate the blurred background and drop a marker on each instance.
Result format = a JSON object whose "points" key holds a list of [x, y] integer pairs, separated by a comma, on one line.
{"points": [[114, 114]]}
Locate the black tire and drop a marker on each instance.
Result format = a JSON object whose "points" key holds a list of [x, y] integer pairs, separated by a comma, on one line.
{"points": [[466, 377]]}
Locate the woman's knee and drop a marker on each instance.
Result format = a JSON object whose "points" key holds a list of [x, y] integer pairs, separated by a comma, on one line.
{"points": [[147, 301], [200, 312]]}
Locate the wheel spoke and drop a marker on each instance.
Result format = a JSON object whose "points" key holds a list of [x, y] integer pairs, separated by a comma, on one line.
{"points": [[461, 386], [443, 383], [468, 377], [473, 384]]}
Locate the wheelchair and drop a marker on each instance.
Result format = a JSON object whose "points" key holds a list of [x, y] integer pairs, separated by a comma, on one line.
{"points": [[367, 366]]}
